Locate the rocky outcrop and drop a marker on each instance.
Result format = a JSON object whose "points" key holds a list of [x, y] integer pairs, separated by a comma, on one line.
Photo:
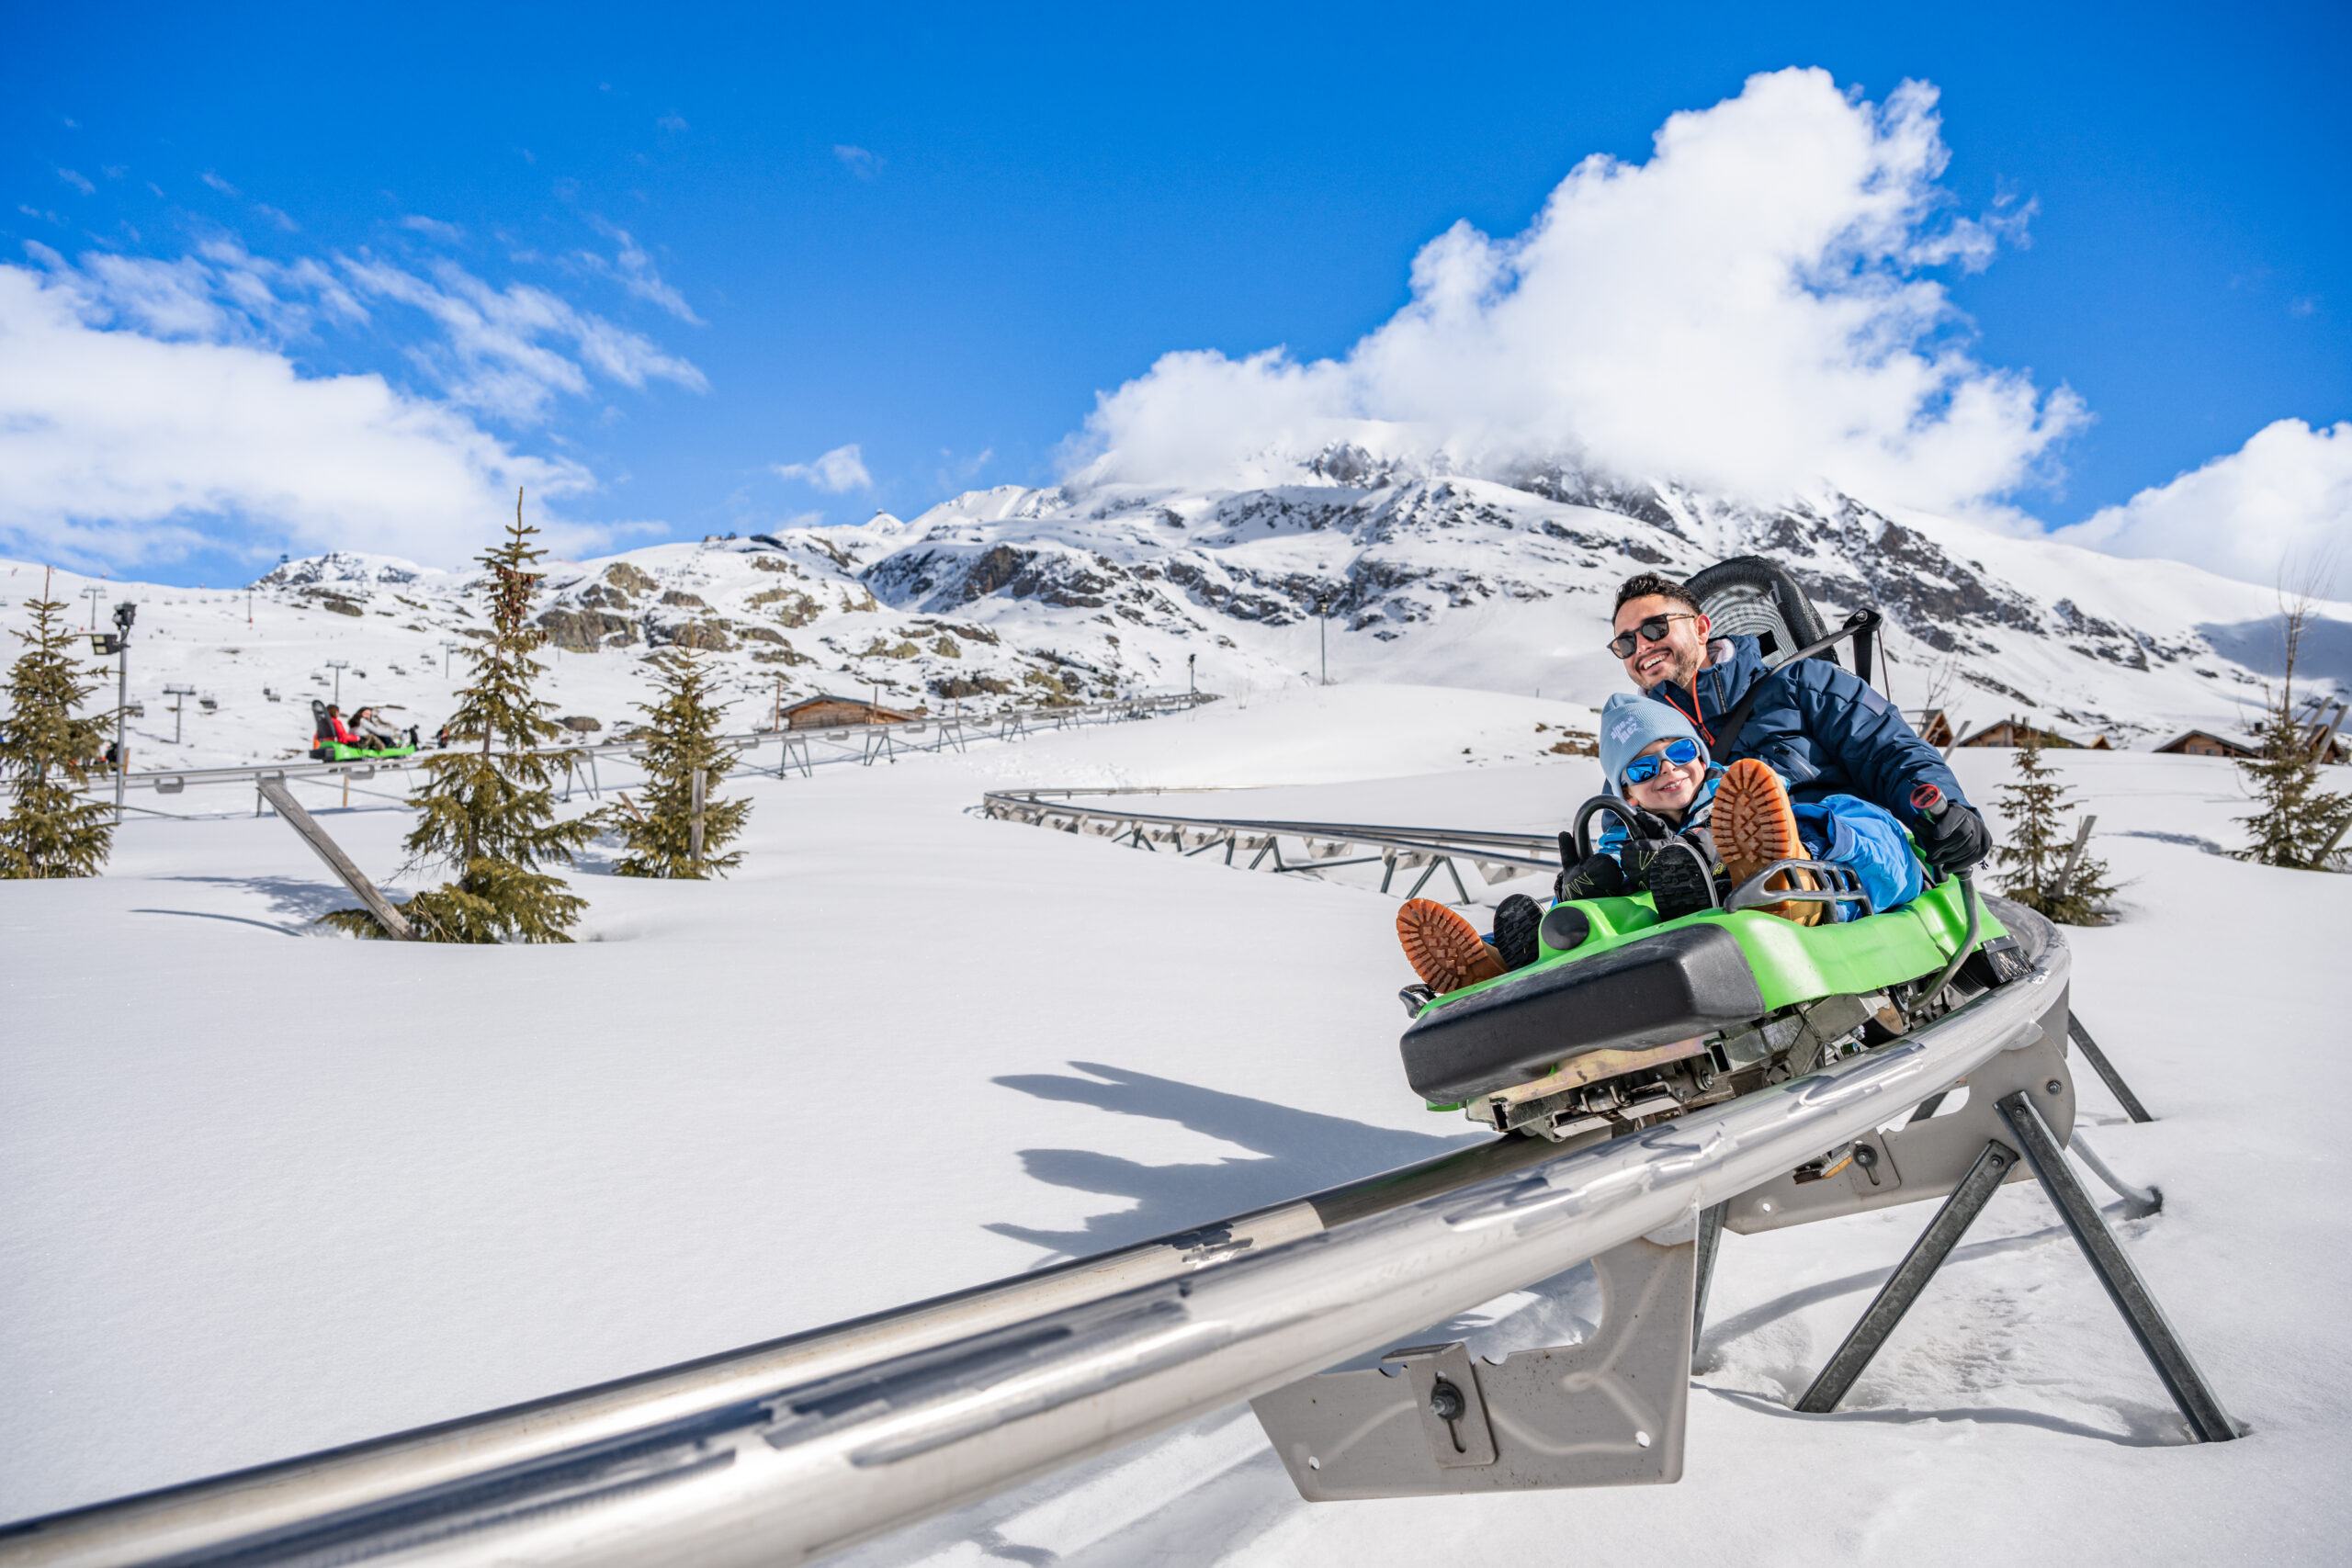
{"points": [[586, 630]]}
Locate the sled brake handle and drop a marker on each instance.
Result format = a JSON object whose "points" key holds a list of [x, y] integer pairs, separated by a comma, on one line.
{"points": [[1932, 803]]}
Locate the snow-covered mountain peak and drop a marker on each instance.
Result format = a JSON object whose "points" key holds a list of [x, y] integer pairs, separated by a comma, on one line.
{"points": [[1058, 594]]}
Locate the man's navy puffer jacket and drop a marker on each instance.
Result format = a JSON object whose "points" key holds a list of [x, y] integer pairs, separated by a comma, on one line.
{"points": [[1825, 730]]}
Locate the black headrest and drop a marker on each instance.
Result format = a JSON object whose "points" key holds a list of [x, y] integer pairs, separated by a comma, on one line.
{"points": [[1750, 596]]}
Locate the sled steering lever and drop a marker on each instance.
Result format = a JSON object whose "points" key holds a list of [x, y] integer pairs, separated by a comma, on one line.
{"points": [[1932, 804]]}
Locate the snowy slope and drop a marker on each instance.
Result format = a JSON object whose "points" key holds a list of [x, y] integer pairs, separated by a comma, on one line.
{"points": [[284, 1191], [1025, 596]]}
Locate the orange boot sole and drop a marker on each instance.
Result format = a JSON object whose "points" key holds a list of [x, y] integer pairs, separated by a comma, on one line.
{"points": [[1753, 827], [1444, 948]]}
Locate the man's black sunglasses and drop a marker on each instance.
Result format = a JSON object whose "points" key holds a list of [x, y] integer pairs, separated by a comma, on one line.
{"points": [[1652, 631]]}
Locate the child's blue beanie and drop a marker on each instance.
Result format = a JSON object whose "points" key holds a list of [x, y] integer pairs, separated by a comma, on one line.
{"points": [[1629, 723]]}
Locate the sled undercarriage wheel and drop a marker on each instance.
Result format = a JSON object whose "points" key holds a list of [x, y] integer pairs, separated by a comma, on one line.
{"points": [[1611, 1092]]}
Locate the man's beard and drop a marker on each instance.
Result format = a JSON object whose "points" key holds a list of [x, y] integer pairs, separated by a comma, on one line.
{"points": [[1679, 667]]}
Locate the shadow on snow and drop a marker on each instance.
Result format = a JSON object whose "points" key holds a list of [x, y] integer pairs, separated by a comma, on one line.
{"points": [[1302, 1152]]}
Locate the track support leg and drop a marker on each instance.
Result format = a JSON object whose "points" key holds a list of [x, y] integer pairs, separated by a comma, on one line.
{"points": [[1711, 1235], [2113, 1266], [1911, 1275], [2106, 1070]]}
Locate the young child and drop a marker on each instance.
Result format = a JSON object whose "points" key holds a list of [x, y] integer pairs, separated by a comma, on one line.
{"points": [[1739, 818]]}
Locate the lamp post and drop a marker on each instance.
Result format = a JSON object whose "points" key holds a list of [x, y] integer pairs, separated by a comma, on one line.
{"points": [[94, 593], [124, 614], [1323, 632], [183, 692], [338, 666], [447, 649]]}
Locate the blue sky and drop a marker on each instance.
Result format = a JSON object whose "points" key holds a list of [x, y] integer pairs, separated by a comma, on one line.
{"points": [[728, 240]]}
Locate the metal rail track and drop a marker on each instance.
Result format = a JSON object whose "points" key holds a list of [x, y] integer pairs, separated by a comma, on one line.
{"points": [[864, 743], [1324, 845], [799, 1448]]}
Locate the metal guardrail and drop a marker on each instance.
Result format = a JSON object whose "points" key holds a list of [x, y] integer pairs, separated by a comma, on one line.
{"points": [[864, 743], [798, 1449], [1324, 846]]}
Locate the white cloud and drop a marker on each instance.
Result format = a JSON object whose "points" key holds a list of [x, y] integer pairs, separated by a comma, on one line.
{"points": [[2282, 502], [495, 352], [222, 292], [633, 269], [842, 468], [433, 228], [79, 182], [217, 182], [117, 445], [1745, 311], [858, 160], [509, 352]]}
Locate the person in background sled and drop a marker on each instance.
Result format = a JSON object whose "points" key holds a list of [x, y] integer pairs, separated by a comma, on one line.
{"points": [[1824, 730], [337, 730], [369, 725]]}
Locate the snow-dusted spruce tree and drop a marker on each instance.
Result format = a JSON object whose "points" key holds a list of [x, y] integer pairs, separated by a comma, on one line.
{"points": [[2294, 821], [682, 736], [47, 755], [2035, 848], [489, 802]]}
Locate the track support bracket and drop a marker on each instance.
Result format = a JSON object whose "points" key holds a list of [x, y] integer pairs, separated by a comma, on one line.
{"points": [[1608, 1412], [2106, 1070], [1997, 1162]]}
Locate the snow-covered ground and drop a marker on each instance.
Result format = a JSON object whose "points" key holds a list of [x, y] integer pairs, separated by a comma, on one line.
{"points": [[262, 1198]]}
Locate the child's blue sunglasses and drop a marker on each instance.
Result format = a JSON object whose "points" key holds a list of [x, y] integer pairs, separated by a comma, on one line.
{"points": [[1641, 769]]}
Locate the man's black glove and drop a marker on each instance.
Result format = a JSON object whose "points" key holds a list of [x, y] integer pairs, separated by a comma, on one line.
{"points": [[1955, 840]]}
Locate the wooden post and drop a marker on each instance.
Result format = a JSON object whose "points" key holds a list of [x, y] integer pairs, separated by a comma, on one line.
{"points": [[278, 795], [2323, 730], [2075, 856], [2320, 860], [694, 832]]}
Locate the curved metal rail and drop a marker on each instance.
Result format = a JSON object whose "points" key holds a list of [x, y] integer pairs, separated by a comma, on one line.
{"points": [[800, 1448], [861, 742], [1325, 845]]}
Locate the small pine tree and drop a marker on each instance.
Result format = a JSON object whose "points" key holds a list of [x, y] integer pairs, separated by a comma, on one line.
{"points": [[48, 755], [2294, 821], [682, 736], [491, 812], [2034, 855]]}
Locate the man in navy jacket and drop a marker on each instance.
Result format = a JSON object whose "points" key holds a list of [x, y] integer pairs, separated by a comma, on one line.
{"points": [[1822, 729]]}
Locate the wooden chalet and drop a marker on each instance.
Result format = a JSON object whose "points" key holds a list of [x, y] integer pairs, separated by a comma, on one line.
{"points": [[824, 711], [2205, 743], [2011, 732], [1935, 728]]}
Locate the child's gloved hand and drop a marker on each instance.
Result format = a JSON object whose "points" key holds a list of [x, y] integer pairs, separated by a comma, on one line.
{"points": [[1598, 876]]}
